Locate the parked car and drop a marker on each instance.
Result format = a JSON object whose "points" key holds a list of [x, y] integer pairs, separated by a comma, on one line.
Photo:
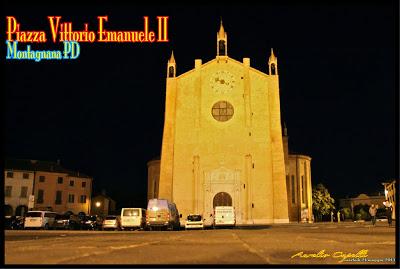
{"points": [[39, 219], [381, 218], [162, 214], [93, 222], [112, 222], [81, 215], [194, 221], [67, 222], [133, 218], [13, 223]]}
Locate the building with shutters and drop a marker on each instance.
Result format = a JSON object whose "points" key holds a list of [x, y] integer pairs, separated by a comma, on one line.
{"points": [[52, 186]]}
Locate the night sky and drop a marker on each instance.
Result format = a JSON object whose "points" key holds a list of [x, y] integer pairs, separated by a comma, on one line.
{"points": [[103, 113]]}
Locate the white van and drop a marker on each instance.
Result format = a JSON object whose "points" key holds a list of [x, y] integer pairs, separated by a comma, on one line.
{"points": [[224, 216], [133, 218], [39, 219], [162, 214]]}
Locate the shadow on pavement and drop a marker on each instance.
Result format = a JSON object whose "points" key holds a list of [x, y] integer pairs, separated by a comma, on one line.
{"points": [[254, 227], [242, 227]]}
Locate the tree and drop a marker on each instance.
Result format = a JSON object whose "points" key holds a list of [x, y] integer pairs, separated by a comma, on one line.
{"points": [[361, 212], [347, 213], [322, 203]]}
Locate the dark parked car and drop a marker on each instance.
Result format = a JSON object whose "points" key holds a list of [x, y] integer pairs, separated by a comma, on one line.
{"points": [[91, 223], [68, 222], [14, 223]]}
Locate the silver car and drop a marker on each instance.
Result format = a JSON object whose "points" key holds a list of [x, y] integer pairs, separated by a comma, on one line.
{"points": [[112, 222]]}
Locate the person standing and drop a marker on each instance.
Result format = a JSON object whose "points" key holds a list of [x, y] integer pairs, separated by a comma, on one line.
{"points": [[389, 209], [372, 212]]}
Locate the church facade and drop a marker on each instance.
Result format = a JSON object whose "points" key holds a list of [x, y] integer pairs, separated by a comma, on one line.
{"points": [[223, 144]]}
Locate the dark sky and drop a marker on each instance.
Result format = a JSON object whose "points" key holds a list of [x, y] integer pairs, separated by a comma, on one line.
{"points": [[102, 114]]}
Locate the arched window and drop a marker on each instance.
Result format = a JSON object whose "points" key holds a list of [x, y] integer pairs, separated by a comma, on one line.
{"points": [[155, 188], [171, 72], [221, 47], [222, 199], [273, 69]]}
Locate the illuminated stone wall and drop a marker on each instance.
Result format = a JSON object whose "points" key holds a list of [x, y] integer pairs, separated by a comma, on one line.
{"points": [[153, 178], [299, 188], [239, 152]]}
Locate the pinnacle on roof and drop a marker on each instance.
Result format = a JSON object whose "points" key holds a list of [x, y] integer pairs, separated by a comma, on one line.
{"points": [[172, 59], [221, 32]]}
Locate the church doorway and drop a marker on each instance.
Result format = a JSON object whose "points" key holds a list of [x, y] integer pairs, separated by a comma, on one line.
{"points": [[222, 199]]}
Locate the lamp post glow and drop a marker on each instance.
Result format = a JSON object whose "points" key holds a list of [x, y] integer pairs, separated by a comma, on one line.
{"points": [[98, 204], [386, 191]]}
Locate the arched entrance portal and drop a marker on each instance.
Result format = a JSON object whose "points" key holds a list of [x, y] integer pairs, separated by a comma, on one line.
{"points": [[222, 199], [8, 210], [21, 210]]}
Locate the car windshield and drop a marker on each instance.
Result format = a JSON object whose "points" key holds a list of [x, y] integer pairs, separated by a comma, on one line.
{"points": [[194, 217], [62, 217], [111, 217], [131, 212], [34, 214], [155, 204]]}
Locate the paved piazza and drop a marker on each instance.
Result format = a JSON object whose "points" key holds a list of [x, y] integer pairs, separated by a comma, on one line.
{"points": [[323, 243]]}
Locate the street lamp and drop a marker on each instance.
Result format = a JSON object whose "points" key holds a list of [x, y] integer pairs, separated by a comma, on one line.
{"points": [[98, 204], [386, 191]]}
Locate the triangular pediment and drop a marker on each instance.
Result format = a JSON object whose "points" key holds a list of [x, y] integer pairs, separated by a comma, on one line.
{"points": [[215, 61]]}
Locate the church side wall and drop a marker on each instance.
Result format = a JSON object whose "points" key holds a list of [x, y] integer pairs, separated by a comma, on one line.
{"points": [[167, 150], [279, 175]]}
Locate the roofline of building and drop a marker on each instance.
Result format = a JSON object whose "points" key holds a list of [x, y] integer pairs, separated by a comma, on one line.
{"points": [[228, 58], [62, 171], [300, 156], [153, 161], [104, 195], [18, 170]]}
